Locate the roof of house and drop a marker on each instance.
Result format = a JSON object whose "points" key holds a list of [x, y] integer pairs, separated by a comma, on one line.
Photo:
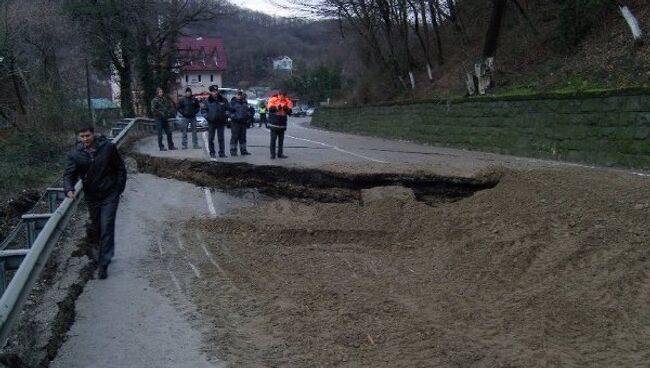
{"points": [[202, 54]]}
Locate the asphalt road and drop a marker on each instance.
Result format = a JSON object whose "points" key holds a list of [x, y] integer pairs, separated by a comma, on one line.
{"points": [[310, 147], [124, 321]]}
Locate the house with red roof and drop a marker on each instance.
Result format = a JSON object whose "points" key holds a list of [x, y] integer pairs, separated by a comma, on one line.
{"points": [[201, 63]]}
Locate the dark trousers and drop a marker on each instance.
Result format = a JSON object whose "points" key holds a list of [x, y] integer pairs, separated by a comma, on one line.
{"points": [[263, 120], [163, 125], [102, 216], [238, 135], [277, 135], [219, 129]]}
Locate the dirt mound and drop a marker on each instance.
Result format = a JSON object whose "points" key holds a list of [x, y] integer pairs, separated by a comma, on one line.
{"points": [[549, 268]]}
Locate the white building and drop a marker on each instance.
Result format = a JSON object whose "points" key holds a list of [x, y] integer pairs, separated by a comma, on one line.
{"points": [[202, 62], [283, 63]]}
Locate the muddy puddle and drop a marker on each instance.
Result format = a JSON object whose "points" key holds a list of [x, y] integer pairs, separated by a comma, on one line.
{"points": [[226, 201]]}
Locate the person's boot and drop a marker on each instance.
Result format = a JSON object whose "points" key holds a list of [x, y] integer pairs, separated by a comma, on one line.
{"points": [[172, 148], [233, 153], [162, 148], [102, 272], [213, 155], [282, 156], [245, 153], [222, 155]]}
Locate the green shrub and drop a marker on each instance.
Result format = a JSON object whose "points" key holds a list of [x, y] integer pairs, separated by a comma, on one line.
{"points": [[31, 159]]}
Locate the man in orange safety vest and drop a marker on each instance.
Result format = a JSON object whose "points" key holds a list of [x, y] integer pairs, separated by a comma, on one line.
{"points": [[279, 106]]}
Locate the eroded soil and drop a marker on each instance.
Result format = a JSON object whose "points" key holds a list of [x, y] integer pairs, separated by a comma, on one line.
{"points": [[548, 268]]}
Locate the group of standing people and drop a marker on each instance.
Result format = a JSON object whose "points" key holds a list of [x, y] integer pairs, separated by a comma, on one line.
{"points": [[97, 162], [217, 110]]}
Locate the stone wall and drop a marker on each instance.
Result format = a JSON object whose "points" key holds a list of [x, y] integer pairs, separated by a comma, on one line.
{"points": [[597, 128]]}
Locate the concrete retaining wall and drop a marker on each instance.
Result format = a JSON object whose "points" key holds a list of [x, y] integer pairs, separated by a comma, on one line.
{"points": [[610, 130]]}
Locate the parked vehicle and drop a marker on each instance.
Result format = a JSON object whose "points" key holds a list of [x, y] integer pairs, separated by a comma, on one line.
{"points": [[201, 122], [298, 112]]}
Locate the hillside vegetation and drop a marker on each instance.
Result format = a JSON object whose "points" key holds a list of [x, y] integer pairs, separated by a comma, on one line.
{"points": [[559, 45], [605, 55]]}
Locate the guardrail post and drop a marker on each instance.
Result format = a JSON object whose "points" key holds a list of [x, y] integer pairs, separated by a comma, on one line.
{"points": [[10, 260], [54, 197], [3, 277], [115, 132], [34, 224]]}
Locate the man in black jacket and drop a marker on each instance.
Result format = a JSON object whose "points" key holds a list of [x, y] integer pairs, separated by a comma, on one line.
{"points": [[216, 112], [238, 125], [98, 163], [188, 106]]}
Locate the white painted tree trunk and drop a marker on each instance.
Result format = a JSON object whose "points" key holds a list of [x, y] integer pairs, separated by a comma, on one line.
{"points": [[412, 78], [481, 80], [429, 72], [471, 86], [632, 22]]}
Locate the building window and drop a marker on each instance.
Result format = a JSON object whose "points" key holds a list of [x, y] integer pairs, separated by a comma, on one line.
{"points": [[187, 78], [211, 77], [199, 77]]}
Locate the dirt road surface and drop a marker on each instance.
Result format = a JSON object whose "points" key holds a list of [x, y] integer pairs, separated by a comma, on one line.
{"points": [[548, 269]]}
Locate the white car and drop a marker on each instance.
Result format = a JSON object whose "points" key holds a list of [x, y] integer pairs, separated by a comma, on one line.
{"points": [[201, 122]]}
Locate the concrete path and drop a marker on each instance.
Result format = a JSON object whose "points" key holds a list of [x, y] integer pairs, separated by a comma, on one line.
{"points": [[309, 147], [122, 321]]}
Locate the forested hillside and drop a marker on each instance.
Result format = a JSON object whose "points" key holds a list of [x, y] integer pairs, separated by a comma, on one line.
{"points": [[253, 40], [425, 48]]}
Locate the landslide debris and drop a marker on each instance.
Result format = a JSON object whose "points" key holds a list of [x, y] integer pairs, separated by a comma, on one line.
{"points": [[548, 268]]}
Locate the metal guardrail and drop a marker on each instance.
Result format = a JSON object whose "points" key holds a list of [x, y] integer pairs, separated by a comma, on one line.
{"points": [[43, 232]]}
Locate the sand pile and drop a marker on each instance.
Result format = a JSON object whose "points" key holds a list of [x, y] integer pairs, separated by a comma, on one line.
{"points": [[549, 268]]}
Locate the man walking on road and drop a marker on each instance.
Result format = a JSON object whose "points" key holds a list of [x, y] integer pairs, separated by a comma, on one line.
{"points": [[280, 106], [188, 107], [162, 109], [98, 163], [216, 108], [238, 125]]}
